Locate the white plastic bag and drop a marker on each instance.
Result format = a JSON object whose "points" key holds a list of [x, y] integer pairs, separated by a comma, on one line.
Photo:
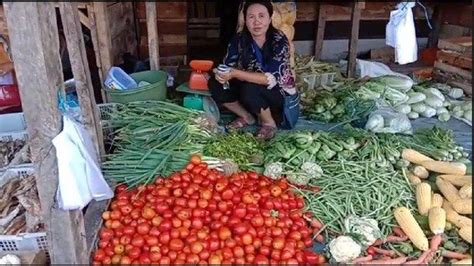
{"points": [[80, 177], [371, 69], [400, 33], [387, 120]]}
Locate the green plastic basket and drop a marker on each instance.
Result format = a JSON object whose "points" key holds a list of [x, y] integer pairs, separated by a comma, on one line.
{"points": [[156, 90]]}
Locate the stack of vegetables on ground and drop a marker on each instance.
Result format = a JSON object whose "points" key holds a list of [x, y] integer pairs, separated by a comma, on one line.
{"points": [[241, 148], [155, 138], [199, 216]]}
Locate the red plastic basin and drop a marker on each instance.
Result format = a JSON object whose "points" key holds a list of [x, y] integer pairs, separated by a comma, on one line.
{"points": [[9, 95]]}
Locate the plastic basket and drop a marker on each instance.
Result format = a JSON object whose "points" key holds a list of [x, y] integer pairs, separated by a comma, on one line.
{"points": [[156, 90], [25, 241], [11, 136], [12, 122]]}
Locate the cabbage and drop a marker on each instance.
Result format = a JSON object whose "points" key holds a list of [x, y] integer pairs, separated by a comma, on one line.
{"points": [[395, 96], [444, 117], [400, 83], [433, 101], [467, 106], [418, 107], [375, 122], [415, 97], [403, 108], [436, 93], [468, 115], [429, 112], [441, 110], [413, 115], [455, 93]]}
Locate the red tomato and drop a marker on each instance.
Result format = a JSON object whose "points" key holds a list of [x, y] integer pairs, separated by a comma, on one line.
{"points": [[371, 250], [310, 257], [275, 191], [260, 260], [224, 233], [106, 233], [138, 241], [134, 253], [196, 247], [227, 194], [278, 243], [99, 255]]}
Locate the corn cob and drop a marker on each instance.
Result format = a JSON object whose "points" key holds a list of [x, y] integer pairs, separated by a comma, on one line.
{"points": [[466, 233], [465, 191], [411, 228], [457, 180], [423, 198], [414, 180], [463, 206], [437, 220], [436, 200], [447, 189], [421, 172], [445, 167]]}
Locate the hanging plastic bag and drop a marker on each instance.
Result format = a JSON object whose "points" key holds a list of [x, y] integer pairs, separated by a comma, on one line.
{"points": [[388, 120], [400, 33], [80, 177]]}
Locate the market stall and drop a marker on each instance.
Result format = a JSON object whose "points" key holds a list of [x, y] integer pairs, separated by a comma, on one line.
{"points": [[376, 171]]}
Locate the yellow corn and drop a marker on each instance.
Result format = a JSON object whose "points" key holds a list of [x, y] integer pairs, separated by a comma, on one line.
{"points": [[437, 220], [436, 200], [457, 180], [465, 191], [414, 180], [451, 168], [467, 261], [463, 206], [466, 233], [453, 217], [447, 189], [414, 157], [411, 228], [421, 172], [423, 198]]}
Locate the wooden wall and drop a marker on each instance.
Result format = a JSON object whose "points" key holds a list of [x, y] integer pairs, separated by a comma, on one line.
{"points": [[172, 28], [122, 30]]}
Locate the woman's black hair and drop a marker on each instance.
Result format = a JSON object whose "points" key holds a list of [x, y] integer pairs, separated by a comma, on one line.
{"points": [[246, 43]]}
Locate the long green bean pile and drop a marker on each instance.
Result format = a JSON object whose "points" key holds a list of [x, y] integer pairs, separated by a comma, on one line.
{"points": [[358, 188], [155, 138]]}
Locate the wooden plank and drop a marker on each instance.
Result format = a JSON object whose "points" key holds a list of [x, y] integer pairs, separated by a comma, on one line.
{"points": [[455, 59], [201, 9], [444, 77], [351, 67], [204, 20], [461, 44], [171, 9], [172, 39], [104, 40], [35, 46], [318, 46], [85, 20], [153, 40], [93, 221], [81, 72], [454, 70]]}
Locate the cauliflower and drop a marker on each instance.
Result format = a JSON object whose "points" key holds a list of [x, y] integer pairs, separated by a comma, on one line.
{"points": [[298, 179], [273, 170], [344, 249], [312, 169], [366, 228], [10, 259]]}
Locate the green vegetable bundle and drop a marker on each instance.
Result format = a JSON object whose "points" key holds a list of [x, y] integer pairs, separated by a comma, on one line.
{"points": [[155, 138], [357, 188], [242, 148]]}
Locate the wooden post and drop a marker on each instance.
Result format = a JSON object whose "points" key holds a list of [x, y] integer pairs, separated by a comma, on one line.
{"points": [[34, 42], [153, 40], [80, 69], [318, 43], [355, 19], [104, 47], [437, 19]]}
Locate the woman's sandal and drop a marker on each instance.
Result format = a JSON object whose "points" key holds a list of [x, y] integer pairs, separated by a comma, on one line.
{"points": [[266, 132], [238, 123]]}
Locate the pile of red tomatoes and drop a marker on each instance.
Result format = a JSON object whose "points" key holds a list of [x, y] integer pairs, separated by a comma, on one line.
{"points": [[198, 216]]}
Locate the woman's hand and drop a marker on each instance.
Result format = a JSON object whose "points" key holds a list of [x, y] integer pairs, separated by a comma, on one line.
{"points": [[222, 77]]}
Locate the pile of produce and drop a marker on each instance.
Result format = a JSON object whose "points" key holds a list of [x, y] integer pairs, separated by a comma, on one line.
{"points": [[241, 148], [359, 189], [199, 216], [439, 230], [155, 139], [8, 151], [337, 106], [289, 151], [19, 206]]}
